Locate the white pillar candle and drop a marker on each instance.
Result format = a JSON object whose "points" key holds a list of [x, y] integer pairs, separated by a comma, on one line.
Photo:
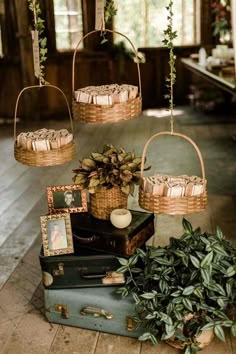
{"points": [[120, 218]]}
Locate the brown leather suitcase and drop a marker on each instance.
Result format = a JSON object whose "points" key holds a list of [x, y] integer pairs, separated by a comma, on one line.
{"points": [[101, 235]]}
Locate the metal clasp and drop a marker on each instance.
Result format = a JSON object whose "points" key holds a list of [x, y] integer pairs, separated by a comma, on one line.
{"points": [[60, 270], [130, 324], [96, 312], [63, 309]]}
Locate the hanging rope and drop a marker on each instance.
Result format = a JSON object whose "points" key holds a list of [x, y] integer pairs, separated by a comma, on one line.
{"points": [[39, 43], [170, 35]]}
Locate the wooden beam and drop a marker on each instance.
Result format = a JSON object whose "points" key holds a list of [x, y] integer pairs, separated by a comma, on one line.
{"points": [[25, 44]]}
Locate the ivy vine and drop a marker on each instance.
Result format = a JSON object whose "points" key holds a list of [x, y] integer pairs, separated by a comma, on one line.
{"points": [[34, 6], [170, 35], [110, 9]]}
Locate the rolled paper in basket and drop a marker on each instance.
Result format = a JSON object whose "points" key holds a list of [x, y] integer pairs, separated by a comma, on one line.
{"points": [[40, 145], [174, 190], [83, 97], [132, 91], [120, 96], [102, 99], [55, 141]]}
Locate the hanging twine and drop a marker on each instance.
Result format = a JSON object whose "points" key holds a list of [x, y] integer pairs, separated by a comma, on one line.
{"points": [[40, 43], [170, 35]]}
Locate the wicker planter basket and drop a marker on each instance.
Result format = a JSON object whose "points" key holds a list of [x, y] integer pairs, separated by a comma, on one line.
{"points": [[105, 200], [173, 205], [94, 113], [49, 157]]}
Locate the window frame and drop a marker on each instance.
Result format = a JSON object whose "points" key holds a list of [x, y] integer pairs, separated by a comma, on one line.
{"points": [[88, 15]]}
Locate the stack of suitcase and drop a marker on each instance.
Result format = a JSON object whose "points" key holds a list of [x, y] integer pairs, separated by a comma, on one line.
{"points": [[79, 288]]}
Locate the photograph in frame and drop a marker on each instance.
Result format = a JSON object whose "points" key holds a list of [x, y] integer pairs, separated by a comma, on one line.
{"points": [[56, 234], [66, 199]]}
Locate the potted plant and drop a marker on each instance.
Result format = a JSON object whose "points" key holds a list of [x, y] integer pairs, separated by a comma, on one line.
{"points": [[109, 176], [185, 290]]}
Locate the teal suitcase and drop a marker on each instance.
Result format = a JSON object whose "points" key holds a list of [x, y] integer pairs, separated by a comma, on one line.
{"points": [[98, 309]]}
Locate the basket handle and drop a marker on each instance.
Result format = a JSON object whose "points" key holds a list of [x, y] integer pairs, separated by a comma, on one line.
{"points": [[111, 31], [182, 136], [40, 86]]}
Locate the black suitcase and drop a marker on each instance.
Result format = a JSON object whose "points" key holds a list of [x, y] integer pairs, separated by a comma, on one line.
{"points": [[83, 268], [103, 236]]}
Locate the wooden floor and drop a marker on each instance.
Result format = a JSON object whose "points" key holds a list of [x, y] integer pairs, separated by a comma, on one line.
{"points": [[23, 327]]}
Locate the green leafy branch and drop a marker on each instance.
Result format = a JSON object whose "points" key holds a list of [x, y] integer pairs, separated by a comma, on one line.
{"points": [[170, 35], [110, 9], [34, 6]]}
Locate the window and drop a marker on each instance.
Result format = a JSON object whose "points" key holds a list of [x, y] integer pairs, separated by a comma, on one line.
{"points": [[144, 21], [68, 23]]}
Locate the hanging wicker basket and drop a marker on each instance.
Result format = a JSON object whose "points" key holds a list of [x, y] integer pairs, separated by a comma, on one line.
{"points": [[95, 113], [50, 157], [172, 205], [105, 200]]}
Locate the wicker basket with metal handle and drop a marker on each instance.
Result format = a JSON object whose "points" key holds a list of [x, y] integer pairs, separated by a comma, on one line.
{"points": [[49, 157], [94, 113], [173, 205]]}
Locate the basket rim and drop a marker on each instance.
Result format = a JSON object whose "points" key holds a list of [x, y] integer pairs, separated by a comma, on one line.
{"points": [[107, 106], [51, 151]]}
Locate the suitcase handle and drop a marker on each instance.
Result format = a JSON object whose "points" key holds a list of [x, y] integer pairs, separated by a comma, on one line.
{"points": [[96, 312], [85, 239], [92, 276]]}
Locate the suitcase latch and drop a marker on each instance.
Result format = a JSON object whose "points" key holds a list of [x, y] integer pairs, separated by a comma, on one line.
{"points": [[63, 310], [96, 312], [130, 323], [59, 271]]}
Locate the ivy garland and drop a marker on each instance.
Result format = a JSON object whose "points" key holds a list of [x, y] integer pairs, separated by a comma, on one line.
{"points": [[170, 35], [34, 6], [110, 9]]}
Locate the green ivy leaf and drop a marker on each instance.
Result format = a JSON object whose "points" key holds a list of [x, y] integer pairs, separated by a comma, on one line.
{"points": [[198, 293], [219, 332], [162, 261], [189, 290], [207, 260], [219, 250], [229, 288], [148, 336], [122, 269], [123, 261], [233, 330], [205, 276], [133, 260], [208, 326], [219, 233], [187, 226], [231, 271], [148, 296], [221, 303], [187, 303], [195, 261]]}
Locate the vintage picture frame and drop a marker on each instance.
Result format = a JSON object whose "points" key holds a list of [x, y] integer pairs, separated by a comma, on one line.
{"points": [[56, 234], [66, 199]]}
